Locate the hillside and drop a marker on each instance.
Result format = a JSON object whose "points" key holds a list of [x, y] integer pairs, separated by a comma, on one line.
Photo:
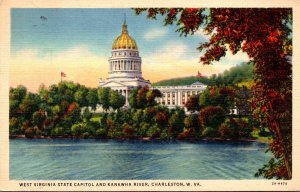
{"points": [[234, 76], [181, 81]]}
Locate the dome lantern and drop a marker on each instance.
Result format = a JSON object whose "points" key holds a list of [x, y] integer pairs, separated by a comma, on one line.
{"points": [[124, 41]]}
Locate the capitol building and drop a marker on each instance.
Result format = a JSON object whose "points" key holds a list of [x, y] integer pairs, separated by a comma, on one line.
{"points": [[125, 74]]}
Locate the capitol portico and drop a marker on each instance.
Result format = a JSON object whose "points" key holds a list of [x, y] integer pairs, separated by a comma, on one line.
{"points": [[125, 74]]}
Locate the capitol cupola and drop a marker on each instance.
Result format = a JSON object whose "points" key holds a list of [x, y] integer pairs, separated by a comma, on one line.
{"points": [[125, 61], [124, 41]]}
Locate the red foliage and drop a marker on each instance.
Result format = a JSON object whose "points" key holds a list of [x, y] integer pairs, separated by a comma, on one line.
{"points": [[188, 134], [162, 117], [71, 108], [192, 103]]}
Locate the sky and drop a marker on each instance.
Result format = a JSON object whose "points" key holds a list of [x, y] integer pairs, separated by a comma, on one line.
{"points": [[46, 42]]}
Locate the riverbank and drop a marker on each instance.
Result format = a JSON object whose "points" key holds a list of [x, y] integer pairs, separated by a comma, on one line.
{"points": [[259, 139]]}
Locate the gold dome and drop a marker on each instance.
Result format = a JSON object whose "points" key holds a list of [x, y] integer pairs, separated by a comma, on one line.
{"points": [[124, 41]]}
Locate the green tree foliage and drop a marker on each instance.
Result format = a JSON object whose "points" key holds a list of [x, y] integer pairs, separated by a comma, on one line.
{"points": [[193, 126], [223, 96], [52, 111], [141, 98], [176, 122], [133, 98], [103, 96], [80, 96], [16, 96], [116, 100], [92, 98]]}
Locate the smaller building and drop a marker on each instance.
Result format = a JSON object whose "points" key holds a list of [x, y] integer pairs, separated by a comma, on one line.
{"points": [[173, 96]]}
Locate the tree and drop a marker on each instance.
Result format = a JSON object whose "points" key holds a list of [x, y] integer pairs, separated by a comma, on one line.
{"points": [[16, 96], [92, 98], [192, 103], [212, 116], [141, 98], [133, 98], [151, 95], [29, 105], [176, 122], [103, 96], [192, 122], [223, 96], [80, 96], [116, 100], [265, 35]]}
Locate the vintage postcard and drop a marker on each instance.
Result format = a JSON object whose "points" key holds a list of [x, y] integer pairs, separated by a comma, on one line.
{"points": [[149, 96]]}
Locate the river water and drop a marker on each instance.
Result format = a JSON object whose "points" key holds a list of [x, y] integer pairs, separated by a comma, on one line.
{"points": [[90, 159]]}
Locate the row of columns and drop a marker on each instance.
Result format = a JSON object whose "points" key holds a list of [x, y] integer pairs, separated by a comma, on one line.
{"points": [[124, 65], [176, 98]]}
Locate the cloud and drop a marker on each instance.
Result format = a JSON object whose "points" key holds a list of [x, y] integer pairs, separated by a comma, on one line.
{"points": [[77, 63], [231, 59], [176, 60], [200, 33], [155, 33], [172, 60]]}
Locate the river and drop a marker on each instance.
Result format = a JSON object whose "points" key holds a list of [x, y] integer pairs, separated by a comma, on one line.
{"points": [[91, 159]]}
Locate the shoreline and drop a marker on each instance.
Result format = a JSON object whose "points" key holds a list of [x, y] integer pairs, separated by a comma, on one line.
{"points": [[145, 139]]}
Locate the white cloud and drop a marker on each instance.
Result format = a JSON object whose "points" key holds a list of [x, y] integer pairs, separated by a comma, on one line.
{"points": [[231, 59], [170, 62], [78, 63], [201, 33], [155, 33]]}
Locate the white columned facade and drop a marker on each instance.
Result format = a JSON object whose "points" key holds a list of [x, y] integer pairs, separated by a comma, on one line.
{"points": [[182, 93]]}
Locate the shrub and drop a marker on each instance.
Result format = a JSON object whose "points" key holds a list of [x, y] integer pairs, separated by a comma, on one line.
{"points": [[144, 129], [128, 131], [210, 132], [187, 134], [101, 133], [85, 135], [78, 128], [57, 131], [153, 131], [29, 133]]}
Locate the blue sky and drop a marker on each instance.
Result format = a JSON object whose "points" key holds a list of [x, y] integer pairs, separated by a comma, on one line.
{"points": [[86, 36]]}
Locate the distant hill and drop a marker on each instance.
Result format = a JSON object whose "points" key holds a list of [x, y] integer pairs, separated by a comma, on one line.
{"points": [[234, 76], [182, 81]]}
